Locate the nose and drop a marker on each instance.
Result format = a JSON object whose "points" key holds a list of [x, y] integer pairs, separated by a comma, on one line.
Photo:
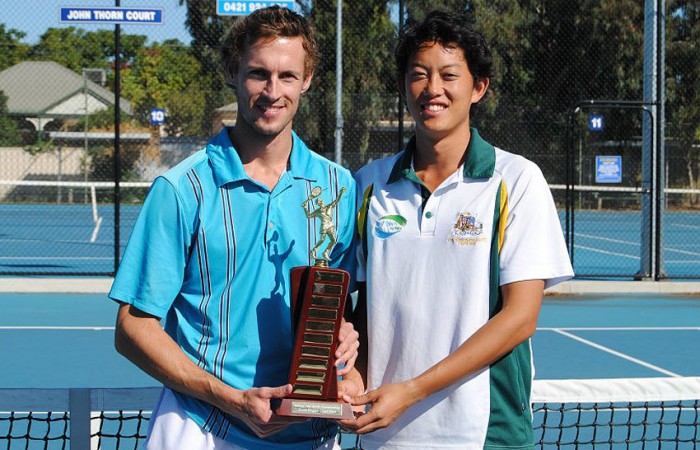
{"points": [[434, 85], [271, 87]]}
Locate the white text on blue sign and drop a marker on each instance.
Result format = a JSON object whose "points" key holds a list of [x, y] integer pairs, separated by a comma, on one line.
{"points": [[112, 15], [608, 169], [243, 7], [157, 116], [595, 123]]}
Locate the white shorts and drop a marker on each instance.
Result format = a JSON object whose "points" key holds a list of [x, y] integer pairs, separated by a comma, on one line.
{"points": [[172, 429]]}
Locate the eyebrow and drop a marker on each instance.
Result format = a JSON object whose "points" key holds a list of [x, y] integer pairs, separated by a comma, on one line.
{"points": [[446, 66]]}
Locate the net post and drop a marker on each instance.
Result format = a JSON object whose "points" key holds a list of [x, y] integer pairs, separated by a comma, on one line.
{"points": [[79, 404]]}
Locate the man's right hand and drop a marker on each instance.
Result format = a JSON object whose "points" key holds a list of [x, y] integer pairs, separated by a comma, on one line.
{"points": [[140, 338], [253, 407]]}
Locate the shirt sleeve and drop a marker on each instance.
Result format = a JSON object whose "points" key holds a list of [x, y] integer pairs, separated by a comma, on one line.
{"points": [[533, 242], [151, 271], [343, 256], [363, 198]]}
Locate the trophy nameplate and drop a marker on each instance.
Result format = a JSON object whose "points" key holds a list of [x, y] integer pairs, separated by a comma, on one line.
{"points": [[317, 302]]}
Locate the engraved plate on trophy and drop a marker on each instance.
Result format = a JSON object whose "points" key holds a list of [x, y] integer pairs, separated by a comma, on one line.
{"points": [[318, 295]]}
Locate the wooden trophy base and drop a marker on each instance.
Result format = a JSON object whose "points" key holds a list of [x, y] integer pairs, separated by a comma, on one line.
{"points": [[313, 408], [317, 303]]}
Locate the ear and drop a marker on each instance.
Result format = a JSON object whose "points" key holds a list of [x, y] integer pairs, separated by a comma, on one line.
{"points": [[480, 88], [307, 82]]}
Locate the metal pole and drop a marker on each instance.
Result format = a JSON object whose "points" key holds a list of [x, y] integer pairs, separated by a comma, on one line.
{"points": [[117, 137], [660, 197], [339, 83], [648, 232], [400, 100], [85, 156]]}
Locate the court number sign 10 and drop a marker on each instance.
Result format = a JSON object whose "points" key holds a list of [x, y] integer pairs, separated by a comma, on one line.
{"points": [[595, 122], [157, 116]]}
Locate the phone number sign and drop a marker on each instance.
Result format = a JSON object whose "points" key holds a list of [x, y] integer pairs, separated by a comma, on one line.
{"points": [[243, 7]]}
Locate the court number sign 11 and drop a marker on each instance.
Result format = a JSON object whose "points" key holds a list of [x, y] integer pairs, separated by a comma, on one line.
{"points": [[157, 116], [595, 122]]}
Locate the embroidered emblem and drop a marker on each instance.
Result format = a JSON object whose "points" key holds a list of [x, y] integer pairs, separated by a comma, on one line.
{"points": [[388, 226], [467, 230]]}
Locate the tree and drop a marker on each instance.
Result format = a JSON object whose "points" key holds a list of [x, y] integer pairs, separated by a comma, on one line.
{"points": [[207, 30], [12, 51], [369, 93], [8, 127], [76, 48], [167, 76], [683, 88]]}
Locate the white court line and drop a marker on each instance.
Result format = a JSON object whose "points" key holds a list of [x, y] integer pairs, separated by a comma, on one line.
{"points": [[616, 353], [605, 252], [683, 252], [683, 225], [56, 328], [617, 241]]}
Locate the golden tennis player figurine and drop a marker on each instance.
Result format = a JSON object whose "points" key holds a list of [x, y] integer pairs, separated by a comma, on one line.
{"points": [[325, 213], [317, 303]]}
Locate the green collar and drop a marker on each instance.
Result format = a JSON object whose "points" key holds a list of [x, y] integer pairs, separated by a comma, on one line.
{"points": [[480, 162]]}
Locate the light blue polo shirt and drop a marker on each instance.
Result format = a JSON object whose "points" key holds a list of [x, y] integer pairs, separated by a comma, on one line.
{"points": [[211, 253]]}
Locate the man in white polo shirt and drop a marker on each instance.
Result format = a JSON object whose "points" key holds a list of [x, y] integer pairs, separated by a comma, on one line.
{"points": [[459, 240]]}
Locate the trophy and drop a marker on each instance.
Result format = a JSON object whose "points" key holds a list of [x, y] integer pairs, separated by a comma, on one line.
{"points": [[317, 303]]}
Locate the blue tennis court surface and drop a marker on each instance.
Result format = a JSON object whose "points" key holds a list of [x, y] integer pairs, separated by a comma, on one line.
{"points": [[609, 242], [66, 340], [68, 239]]}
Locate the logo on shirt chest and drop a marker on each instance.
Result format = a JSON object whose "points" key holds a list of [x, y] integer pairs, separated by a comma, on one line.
{"points": [[388, 226], [467, 230]]}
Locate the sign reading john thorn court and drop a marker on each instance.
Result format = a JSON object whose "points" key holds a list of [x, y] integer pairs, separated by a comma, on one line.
{"points": [[114, 15]]}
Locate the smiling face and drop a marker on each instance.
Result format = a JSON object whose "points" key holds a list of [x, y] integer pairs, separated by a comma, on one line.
{"points": [[269, 81], [440, 90]]}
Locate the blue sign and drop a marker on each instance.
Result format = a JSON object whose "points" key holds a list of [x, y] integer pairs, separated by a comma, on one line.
{"points": [[245, 7], [157, 116], [608, 169], [595, 123], [112, 15]]}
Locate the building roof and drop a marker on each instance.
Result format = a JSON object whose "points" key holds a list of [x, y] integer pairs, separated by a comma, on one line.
{"points": [[48, 89]]}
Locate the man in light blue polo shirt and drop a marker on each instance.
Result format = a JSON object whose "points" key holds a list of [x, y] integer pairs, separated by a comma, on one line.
{"points": [[212, 250]]}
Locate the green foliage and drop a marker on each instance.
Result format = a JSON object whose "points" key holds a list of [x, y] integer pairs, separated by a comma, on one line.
{"points": [[683, 87], [368, 80], [167, 76], [76, 48], [207, 30], [8, 127], [12, 51], [41, 146]]}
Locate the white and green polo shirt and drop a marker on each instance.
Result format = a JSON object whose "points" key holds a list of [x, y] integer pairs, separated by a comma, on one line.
{"points": [[433, 263], [211, 253]]}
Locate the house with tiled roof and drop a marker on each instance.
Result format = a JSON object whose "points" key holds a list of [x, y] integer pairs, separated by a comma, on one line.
{"points": [[43, 91]]}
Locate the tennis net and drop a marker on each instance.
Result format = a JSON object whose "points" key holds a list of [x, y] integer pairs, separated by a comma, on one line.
{"points": [[644, 413]]}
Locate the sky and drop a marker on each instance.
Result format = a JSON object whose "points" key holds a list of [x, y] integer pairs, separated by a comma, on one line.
{"points": [[34, 17]]}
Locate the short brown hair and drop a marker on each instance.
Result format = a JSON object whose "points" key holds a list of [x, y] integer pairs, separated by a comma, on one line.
{"points": [[267, 23]]}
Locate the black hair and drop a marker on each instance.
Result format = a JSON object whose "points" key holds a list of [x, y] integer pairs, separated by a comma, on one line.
{"points": [[450, 30]]}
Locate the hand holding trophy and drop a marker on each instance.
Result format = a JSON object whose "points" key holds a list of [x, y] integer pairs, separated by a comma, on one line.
{"points": [[317, 304]]}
